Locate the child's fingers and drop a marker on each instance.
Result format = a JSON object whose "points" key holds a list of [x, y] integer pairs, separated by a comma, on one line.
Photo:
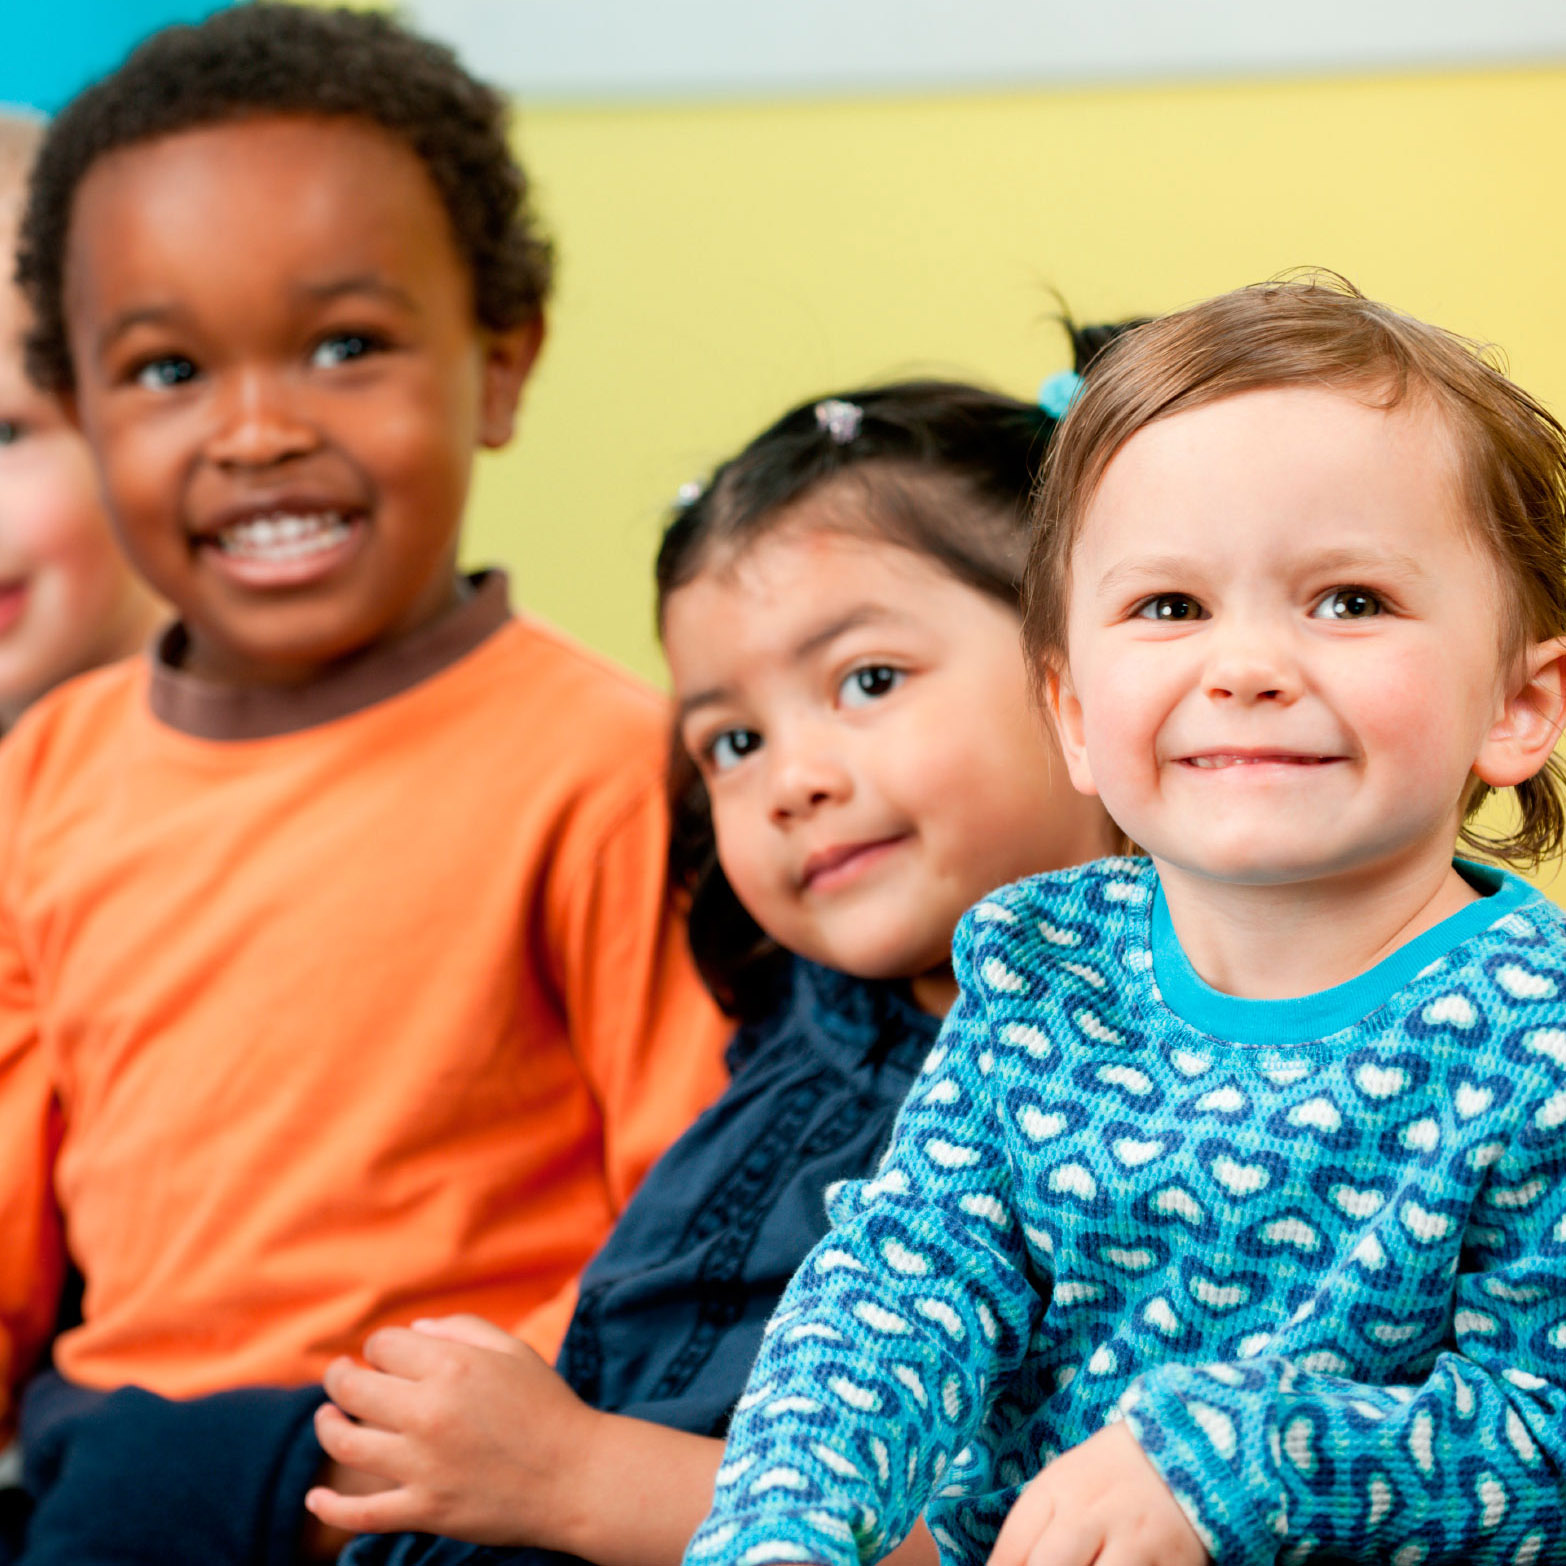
{"points": [[1121, 1553], [1067, 1543], [1026, 1521], [400, 1351], [367, 1394], [473, 1330], [371, 1451], [387, 1511]]}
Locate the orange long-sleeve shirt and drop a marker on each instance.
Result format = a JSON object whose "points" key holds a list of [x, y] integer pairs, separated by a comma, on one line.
{"points": [[330, 1026]]}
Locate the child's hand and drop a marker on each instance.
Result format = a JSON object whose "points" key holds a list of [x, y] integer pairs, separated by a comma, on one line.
{"points": [[479, 1439], [1102, 1501]]}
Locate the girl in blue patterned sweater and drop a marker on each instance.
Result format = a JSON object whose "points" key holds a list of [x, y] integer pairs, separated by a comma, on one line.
{"points": [[859, 760], [1228, 1216]]}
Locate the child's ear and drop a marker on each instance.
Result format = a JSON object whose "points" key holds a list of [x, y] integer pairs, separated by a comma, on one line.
{"points": [[1065, 713], [1530, 719], [509, 357]]}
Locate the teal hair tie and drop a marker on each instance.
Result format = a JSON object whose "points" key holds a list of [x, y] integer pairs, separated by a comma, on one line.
{"points": [[1059, 392]]}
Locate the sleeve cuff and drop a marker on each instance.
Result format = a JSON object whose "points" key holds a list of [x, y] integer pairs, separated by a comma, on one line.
{"points": [[788, 1539], [1201, 1453]]}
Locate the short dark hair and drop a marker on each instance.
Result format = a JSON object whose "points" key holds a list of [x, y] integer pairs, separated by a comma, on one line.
{"points": [[274, 58], [938, 467], [1317, 329]]}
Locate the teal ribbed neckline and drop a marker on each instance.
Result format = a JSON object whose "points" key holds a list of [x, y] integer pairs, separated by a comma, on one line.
{"points": [[1305, 1018]]}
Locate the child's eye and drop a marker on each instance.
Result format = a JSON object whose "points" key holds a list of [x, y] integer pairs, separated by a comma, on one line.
{"points": [[1347, 603], [731, 747], [11, 431], [869, 684], [342, 348], [173, 369], [1174, 608]]}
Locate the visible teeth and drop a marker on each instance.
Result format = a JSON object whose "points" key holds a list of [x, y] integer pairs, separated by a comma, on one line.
{"points": [[1251, 761], [283, 537]]}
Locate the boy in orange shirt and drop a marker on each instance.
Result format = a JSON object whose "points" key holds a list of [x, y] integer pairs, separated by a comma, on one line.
{"points": [[337, 985]]}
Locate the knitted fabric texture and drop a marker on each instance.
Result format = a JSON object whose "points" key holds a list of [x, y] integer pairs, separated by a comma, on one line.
{"points": [[1322, 1276]]}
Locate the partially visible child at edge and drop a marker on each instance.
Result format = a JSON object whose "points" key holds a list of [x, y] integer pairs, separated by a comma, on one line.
{"points": [[338, 985], [1228, 1218], [840, 611], [69, 601]]}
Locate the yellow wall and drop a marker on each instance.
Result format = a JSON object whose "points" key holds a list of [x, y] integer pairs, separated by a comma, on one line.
{"points": [[719, 262]]}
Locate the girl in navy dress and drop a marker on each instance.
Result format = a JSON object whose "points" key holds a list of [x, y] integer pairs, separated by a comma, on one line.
{"points": [[858, 762]]}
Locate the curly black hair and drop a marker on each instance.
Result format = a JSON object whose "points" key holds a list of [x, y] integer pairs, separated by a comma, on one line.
{"points": [[274, 58], [939, 467]]}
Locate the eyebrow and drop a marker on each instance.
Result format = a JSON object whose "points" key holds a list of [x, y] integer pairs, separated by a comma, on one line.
{"points": [[1128, 571], [360, 283], [805, 648], [1348, 559], [1372, 559], [129, 320]]}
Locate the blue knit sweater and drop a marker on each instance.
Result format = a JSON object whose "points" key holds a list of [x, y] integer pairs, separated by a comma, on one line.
{"points": [[1314, 1252]]}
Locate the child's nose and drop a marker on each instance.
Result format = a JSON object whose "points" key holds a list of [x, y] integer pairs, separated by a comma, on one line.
{"points": [[1253, 663], [257, 424], [806, 776]]}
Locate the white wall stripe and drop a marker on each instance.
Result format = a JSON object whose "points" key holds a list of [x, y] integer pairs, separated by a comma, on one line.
{"points": [[597, 49]]}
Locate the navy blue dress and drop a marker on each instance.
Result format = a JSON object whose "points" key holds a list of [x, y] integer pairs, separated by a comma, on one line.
{"points": [[672, 1308]]}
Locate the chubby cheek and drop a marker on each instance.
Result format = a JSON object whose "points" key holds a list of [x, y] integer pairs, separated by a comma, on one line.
{"points": [[1123, 718], [80, 585], [76, 539], [401, 459], [419, 442], [754, 873], [49, 508], [1420, 725], [141, 489], [982, 805]]}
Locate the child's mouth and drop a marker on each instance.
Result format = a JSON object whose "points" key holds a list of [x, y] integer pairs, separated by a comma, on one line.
{"points": [[283, 537], [833, 867], [13, 600], [1271, 758], [286, 548]]}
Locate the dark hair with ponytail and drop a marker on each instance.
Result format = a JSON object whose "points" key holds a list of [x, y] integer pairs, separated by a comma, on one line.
{"points": [[939, 467]]}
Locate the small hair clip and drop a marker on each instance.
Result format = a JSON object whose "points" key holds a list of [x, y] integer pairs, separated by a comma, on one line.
{"points": [[689, 493], [1058, 393], [841, 420]]}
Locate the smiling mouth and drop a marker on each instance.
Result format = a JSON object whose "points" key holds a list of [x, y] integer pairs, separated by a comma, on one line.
{"points": [[13, 600], [1222, 759], [283, 536], [831, 867]]}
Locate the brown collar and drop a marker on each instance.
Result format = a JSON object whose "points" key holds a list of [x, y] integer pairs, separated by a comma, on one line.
{"points": [[207, 710]]}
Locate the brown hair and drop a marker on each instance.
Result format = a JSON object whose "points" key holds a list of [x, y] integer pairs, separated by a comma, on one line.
{"points": [[1318, 329]]}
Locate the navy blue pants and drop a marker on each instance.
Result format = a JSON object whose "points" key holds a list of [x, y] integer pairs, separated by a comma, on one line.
{"points": [[423, 1549], [126, 1478]]}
